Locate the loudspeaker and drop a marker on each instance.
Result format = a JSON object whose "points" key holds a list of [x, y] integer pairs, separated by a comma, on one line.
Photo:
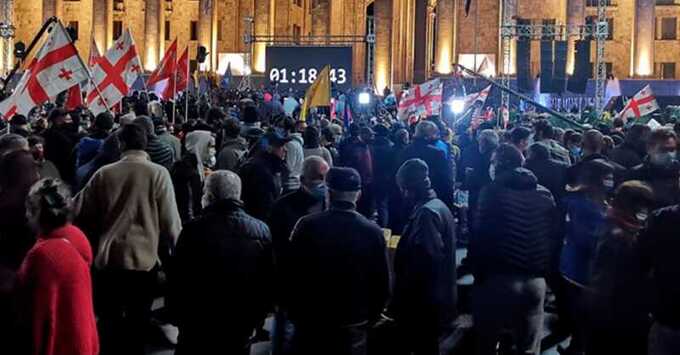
{"points": [[523, 62], [547, 65], [560, 70], [582, 69]]}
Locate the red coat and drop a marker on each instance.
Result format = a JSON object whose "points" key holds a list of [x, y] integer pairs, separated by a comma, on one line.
{"points": [[55, 285]]}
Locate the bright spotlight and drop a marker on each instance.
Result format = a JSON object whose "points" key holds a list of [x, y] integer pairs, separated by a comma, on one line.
{"points": [[246, 70], [364, 98], [457, 106]]}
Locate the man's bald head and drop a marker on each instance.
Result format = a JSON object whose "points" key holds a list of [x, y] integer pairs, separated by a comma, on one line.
{"points": [[314, 170]]}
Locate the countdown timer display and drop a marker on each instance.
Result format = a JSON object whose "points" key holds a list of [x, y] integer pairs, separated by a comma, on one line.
{"points": [[298, 67]]}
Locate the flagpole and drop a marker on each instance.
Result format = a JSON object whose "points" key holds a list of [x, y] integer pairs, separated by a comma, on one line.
{"points": [[87, 69], [186, 94]]}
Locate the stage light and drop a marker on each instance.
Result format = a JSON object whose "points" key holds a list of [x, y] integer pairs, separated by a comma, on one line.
{"points": [[457, 106], [364, 98]]}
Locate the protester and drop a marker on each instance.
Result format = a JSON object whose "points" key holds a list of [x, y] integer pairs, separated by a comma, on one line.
{"points": [[108, 153], [356, 153], [620, 304], [60, 140], [12, 142], [221, 274], [46, 168], [592, 148], [551, 173], [477, 176], [339, 273], [545, 133], [234, 147], [660, 169], [424, 299], [294, 153], [88, 146], [384, 167], [262, 176], [440, 169], [128, 208], [54, 286], [188, 174], [659, 246], [585, 209], [634, 147], [313, 145], [165, 136], [19, 125], [310, 198], [159, 152], [515, 232], [520, 137]]}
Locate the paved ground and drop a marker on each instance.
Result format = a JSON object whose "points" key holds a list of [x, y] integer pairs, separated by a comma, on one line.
{"points": [[264, 348]]}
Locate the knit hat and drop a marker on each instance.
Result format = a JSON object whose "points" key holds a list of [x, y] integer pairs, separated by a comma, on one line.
{"points": [[414, 174], [343, 179]]}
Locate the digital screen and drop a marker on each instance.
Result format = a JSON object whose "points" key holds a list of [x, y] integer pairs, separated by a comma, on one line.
{"points": [[298, 67]]}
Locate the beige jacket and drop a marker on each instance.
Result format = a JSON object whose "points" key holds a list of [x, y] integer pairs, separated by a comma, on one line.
{"points": [[129, 210]]}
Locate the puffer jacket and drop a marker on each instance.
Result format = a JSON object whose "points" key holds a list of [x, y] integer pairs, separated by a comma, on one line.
{"points": [[585, 225], [515, 227]]}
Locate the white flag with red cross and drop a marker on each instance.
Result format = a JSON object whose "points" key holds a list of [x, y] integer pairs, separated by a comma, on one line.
{"points": [[423, 99], [114, 75], [55, 68], [643, 103]]}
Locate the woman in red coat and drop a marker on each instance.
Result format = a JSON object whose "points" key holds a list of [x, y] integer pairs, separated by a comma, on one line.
{"points": [[54, 286]]}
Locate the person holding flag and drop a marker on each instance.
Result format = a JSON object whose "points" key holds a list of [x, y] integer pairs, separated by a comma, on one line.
{"points": [[642, 104], [318, 94]]}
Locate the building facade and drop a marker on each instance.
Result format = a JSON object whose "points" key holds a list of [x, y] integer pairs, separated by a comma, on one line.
{"points": [[415, 39]]}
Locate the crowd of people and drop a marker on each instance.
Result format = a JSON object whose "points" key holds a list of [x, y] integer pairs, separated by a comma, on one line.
{"points": [[242, 212]]}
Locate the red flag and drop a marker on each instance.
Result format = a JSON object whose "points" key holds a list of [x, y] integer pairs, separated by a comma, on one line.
{"points": [[55, 68], [183, 71], [94, 54], [74, 98], [167, 66], [114, 75]]}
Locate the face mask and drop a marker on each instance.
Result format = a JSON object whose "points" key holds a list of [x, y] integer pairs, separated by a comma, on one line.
{"points": [[608, 184], [319, 192], [642, 216], [663, 159], [38, 155], [492, 172], [280, 131], [576, 151]]}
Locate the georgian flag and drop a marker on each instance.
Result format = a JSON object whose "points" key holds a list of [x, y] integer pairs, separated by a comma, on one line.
{"points": [[115, 74], [425, 98], [643, 103], [55, 68]]}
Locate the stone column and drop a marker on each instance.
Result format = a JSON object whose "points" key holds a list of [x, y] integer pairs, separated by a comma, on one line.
{"points": [[101, 23], [264, 23], [644, 37], [207, 31], [445, 24], [152, 35], [382, 10], [321, 18], [52, 8], [420, 42], [576, 16]]}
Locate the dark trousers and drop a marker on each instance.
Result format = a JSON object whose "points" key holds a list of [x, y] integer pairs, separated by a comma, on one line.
{"points": [[577, 316], [418, 337], [366, 203], [315, 339], [382, 207], [509, 303], [123, 301]]}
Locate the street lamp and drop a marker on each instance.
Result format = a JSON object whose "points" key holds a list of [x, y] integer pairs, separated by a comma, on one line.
{"points": [[457, 106], [364, 98]]}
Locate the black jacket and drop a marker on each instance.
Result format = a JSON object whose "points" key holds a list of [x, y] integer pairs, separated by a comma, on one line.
{"points": [[261, 178], [188, 187], [441, 169], [384, 163], [425, 266], [339, 274], [551, 173], [220, 276], [575, 170], [515, 227], [627, 155], [60, 143], [664, 181], [659, 245]]}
